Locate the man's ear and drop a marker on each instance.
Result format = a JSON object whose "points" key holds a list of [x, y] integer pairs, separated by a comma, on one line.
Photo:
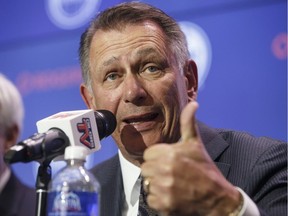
{"points": [[191, 79], [11, 137], [87, 96]]}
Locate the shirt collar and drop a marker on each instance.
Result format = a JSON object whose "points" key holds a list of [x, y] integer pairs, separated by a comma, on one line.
{"points": [[131, 180]]}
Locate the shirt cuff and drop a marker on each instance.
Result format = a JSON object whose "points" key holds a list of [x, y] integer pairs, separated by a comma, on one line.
{"points": [[249, 207]]}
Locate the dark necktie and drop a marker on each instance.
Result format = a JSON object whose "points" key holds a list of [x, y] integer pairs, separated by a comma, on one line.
{"points": [[144, 209]]}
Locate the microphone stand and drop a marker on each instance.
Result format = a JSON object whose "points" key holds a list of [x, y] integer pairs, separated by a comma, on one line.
{"points": [[44, 170], [43, 179]]}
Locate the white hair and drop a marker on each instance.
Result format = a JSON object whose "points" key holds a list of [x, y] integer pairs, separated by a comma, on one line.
{"points": [[11, 105]]}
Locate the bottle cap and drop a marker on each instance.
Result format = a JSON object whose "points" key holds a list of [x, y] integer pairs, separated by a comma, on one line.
{"points": [[76, 152]]}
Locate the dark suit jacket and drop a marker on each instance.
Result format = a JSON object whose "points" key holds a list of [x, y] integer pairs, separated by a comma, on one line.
{"points": [[257, 165], [17, 199]]}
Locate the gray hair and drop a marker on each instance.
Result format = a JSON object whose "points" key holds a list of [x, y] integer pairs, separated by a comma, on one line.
{"points": [[132, 13], [11, 105]]}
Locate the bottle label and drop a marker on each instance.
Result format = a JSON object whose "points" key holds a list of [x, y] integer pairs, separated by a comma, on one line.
{"points": [[72, 204]]}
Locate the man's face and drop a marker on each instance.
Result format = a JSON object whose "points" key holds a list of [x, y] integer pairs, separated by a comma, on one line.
{"points": [[135, 76]]}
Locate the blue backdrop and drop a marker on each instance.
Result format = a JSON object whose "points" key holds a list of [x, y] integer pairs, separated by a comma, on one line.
{"points": [[239, 45]]}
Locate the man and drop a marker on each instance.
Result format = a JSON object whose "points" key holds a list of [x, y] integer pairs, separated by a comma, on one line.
{"points": [[16, 199], [135, 63]]}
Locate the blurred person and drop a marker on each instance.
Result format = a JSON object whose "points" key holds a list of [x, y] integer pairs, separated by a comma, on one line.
{"points": [[16, 199], [135, 63]]}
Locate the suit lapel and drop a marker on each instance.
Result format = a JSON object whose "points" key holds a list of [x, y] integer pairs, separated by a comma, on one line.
{"points": [[215, 146], [112, 193]]}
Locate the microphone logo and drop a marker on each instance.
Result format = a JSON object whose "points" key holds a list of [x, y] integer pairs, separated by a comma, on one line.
{"points": [[87, 137]]}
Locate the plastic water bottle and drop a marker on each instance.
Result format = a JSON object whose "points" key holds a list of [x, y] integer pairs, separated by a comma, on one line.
{"points": [[74, 191]]}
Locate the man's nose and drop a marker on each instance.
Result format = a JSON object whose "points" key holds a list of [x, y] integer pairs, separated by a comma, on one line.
{"points": [[134, 90]]}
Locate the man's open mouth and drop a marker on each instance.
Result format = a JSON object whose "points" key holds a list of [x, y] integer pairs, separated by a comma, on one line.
{"points": [[141, 118]]}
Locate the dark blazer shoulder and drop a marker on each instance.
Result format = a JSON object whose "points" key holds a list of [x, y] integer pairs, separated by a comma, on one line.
{"points": [[17, 199], [238, 146], [258, 165]]}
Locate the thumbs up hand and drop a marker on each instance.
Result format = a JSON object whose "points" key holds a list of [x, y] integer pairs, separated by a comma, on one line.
{"points": [[183, 178]]}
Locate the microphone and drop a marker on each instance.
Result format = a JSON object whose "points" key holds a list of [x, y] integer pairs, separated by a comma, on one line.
{"points": [[75, 128]]}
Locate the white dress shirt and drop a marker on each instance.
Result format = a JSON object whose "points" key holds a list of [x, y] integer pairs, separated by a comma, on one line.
{"points": [[132, 184]]}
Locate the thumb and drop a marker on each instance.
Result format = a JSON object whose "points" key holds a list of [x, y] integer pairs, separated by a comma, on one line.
{"points": [[188, 122]]}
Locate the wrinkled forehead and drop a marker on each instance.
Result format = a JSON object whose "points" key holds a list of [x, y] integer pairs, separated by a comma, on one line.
{"points": [[129, 38], [137, 29]]}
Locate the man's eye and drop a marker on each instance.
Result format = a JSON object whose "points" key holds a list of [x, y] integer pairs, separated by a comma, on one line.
{"points": [[152, 69], [111, 76]]}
